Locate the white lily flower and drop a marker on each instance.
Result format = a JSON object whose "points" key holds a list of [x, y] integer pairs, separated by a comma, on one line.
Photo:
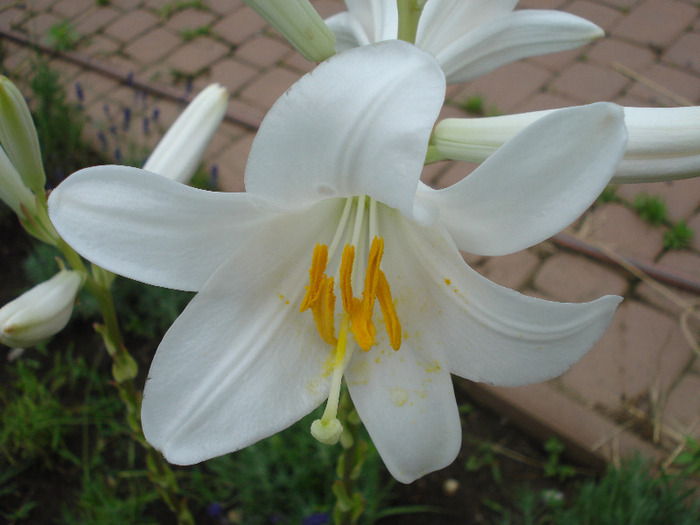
{"points": [[40, 312], [300, 24], [178, 153], [469, 38], [334, 205], [664, 143], [18, 136]]}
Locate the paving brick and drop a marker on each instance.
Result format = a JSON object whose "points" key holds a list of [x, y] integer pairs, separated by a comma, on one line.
{"points": [[694, 223], [131, 25], [98, 46], [40, 24], [452, 173], [682, 262], [232, 74], [678, 82], [239, 26], [668, 299], [610, 50], [685, 52], [642, 350], [575, 278], [69, 9], [621, 230], [232, 163], [152, 46], [299, 63], [497, 87], [604, 16], [190, 19], [266, 89], [682, 197], [263, 51], [224, 7], [511, 270], [558, 61], [682, 408], [12, 18], [656, 22], [589, 83], [95, 20], [327, 8], [196, 55]]}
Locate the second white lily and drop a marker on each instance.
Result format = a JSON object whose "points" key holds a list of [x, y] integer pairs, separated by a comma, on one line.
{"points": [[334, 222]]}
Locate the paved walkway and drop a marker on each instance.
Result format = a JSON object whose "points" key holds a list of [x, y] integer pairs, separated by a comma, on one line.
{"points": [[638, 389]]}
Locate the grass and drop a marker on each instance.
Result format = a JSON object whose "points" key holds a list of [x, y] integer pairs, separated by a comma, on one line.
{"points": [[176, 6], [192, 33], [651, 208], [629, 495], [679, 236], [62, 36]]}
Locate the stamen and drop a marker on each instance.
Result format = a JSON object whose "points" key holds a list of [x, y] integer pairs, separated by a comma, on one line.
{"points": [[317, 272], [323, 311], [391, 320], [345, 284]]}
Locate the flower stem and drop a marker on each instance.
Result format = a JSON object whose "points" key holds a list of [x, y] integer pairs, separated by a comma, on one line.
{"points": [[349, 504], [409, 15]]}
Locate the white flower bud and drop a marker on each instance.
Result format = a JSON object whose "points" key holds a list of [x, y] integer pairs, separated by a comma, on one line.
{"points": [[40, 312], [178, 153], [300, 24], [18, 136]]}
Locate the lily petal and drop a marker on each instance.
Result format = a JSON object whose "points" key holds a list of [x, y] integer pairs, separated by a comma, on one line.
{"points": [[508, 38], [408, 407], [446, 21], [488, 333], [343, 130], [529, 190], [348, 31], [241, 362], [379, 18], [150, 228]]}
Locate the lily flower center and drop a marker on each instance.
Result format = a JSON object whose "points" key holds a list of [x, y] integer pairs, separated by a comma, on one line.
{"points": [[356, 317]]}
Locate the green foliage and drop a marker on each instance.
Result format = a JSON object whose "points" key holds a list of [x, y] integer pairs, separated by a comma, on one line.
{"points": [[629, 495], [689, 459], [59, 125], [651, 208], [474, 105], [485, 456], [283, 478], [62, 36], [679, 236], [553, 466], [192, 33], [609, 194]]}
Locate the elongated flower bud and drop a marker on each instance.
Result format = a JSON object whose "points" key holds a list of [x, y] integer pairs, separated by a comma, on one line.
{"points": [[664, 143], [300, 24], [18, 136], [178, 153], [13, 190], [40, 312]]}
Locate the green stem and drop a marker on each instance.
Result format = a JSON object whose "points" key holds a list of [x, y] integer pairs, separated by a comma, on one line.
{"points": [[349, 503], [409, 15]]}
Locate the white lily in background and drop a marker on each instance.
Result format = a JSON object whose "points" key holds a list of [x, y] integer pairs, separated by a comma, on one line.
{"points": [[469, 38], [39, 312], [664, 143], [334, 220], [300, 24], [179, 152]]}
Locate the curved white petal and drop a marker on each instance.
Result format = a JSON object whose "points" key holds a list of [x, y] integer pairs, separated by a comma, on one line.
{"points": [[348, 31], [242, 362], [379, 18], [358, 124], [484, 332], [517, 35], [538, 183], [446, 21], [409, 409], [150, 228]]}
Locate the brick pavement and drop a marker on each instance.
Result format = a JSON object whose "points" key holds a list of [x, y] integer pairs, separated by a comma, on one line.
{"points": [[638, 388]]}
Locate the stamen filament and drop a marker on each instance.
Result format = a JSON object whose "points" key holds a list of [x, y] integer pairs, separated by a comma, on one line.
{"points": [[341, 227]]}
